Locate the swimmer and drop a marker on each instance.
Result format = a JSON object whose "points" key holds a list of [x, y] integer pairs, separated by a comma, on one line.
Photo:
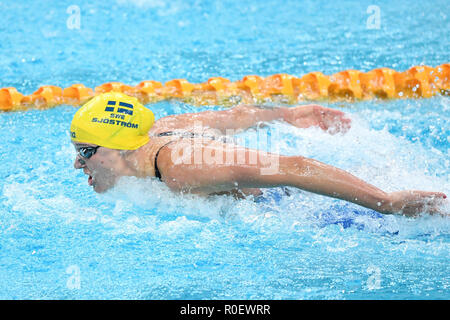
{"points": [[115, 136]]}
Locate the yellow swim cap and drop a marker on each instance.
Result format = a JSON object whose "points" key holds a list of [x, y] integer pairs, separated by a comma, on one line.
{"points": [[112, 120]]}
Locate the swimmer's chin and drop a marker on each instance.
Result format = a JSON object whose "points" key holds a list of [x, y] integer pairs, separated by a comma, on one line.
{"points": [[101, 189]]}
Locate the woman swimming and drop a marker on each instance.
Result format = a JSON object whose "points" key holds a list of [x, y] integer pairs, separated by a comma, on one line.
{"points": [[116, 136]]}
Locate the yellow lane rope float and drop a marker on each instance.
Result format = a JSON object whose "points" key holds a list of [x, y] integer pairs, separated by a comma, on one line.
{"points": [[352, 85]]}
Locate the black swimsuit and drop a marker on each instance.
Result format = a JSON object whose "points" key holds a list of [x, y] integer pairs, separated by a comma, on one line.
{"points": [[174, 133], [183, 135]]}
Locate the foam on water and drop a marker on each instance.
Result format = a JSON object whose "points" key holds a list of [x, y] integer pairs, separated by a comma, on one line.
{"points": [[157, 244]]}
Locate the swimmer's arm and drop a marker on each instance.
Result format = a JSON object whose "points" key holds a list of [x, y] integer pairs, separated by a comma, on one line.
{"points": [[303, 173], [246, 116], [295, 171]]}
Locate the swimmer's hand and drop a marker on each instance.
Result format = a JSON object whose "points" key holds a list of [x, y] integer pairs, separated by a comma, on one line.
{"points": [[412, 203], [330, 120]]}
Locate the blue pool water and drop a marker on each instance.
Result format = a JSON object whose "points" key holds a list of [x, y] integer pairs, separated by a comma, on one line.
{"points": [[60, 240]]}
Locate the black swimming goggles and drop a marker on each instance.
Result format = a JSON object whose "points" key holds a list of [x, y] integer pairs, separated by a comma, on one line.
{"points": [[87, 152]]}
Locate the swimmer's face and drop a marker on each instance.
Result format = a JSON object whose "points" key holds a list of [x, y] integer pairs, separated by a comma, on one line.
{"points": [[104, 167]]}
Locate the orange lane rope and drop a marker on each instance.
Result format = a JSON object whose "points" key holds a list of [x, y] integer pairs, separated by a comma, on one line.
{"points": [[385, 83]]}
